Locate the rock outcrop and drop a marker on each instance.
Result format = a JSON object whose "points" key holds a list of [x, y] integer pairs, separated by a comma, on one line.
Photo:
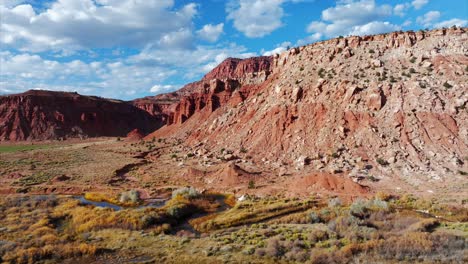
{"points": [[40, 115], [229, 81], [392, 102]]}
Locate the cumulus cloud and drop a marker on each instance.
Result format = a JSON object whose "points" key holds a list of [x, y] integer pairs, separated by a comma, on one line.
{"points": [[352, 17], [211, 32], [71, 24], [374, 27], [309, 39], [417, 4], [158, 88], [190, 63], [149, 45], [407, 23], [400, 9], [428, 19], [148, 71], [112, 79], [279, 49], [452, 22], [256, 18]]}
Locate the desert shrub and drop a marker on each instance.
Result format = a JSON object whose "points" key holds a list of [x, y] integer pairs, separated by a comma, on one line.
{"points": [[359, 208], [323, 256], [275, 248], [408, 246], [317, 235], [380, 195], [344, 224], [131, 196], [425, 225], [334, 202], [382, 162], [362, 208], [179, 211], [314, 218], [297, 254], [251, 184], [186, 192], [447, 85]]}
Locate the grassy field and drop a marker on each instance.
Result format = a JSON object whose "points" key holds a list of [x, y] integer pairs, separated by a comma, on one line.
{"points": [[17, 148]]}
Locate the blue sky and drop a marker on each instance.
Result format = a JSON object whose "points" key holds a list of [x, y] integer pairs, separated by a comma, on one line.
{"points": [[133, 48]]}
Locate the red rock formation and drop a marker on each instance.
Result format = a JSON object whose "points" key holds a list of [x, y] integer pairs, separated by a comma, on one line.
{"points": [[396, 101], [39, 115], [237, 69], [135, 134]]}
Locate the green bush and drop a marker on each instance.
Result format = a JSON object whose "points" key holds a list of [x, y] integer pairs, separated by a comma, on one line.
{"points": [[251, 184]]}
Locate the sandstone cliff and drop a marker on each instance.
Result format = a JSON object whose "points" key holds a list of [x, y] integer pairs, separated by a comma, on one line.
{"points": [[392, 103], [40, 115]]}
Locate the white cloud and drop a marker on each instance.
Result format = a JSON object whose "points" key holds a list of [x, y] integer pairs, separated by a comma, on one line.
{"points": [[429, 18], [407, 23], [190, 63], [417, 4], [351, 17], [309, 39], [211, 32], [113, 79], [159, 88], [256, 18], [375, 27], [400, 9], [71, 24], [452, 22], [279, 49]]}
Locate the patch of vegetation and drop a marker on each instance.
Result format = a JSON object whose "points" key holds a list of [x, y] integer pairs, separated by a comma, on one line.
{"points": [[248, 212], [251, 184], [34, 179], [16, 148], [382, 162], [384, 229], [321, 72], [126, 199], [447, 85]]}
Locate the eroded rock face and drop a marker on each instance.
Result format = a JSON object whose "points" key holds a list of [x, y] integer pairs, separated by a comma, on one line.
{"points": [[227, 82], [395, 102], [40, 115], [244, 70]]}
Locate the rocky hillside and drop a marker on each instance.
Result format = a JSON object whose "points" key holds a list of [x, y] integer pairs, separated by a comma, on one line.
{"points": [[39, 115], [364, 106], [214, 90]]}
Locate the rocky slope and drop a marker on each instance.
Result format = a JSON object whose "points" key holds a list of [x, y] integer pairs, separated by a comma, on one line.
{"points": [[40, 115], [213, 91], [383, 105]]}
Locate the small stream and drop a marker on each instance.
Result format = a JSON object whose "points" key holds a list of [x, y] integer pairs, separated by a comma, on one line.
{"points": [[154, 203]]}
